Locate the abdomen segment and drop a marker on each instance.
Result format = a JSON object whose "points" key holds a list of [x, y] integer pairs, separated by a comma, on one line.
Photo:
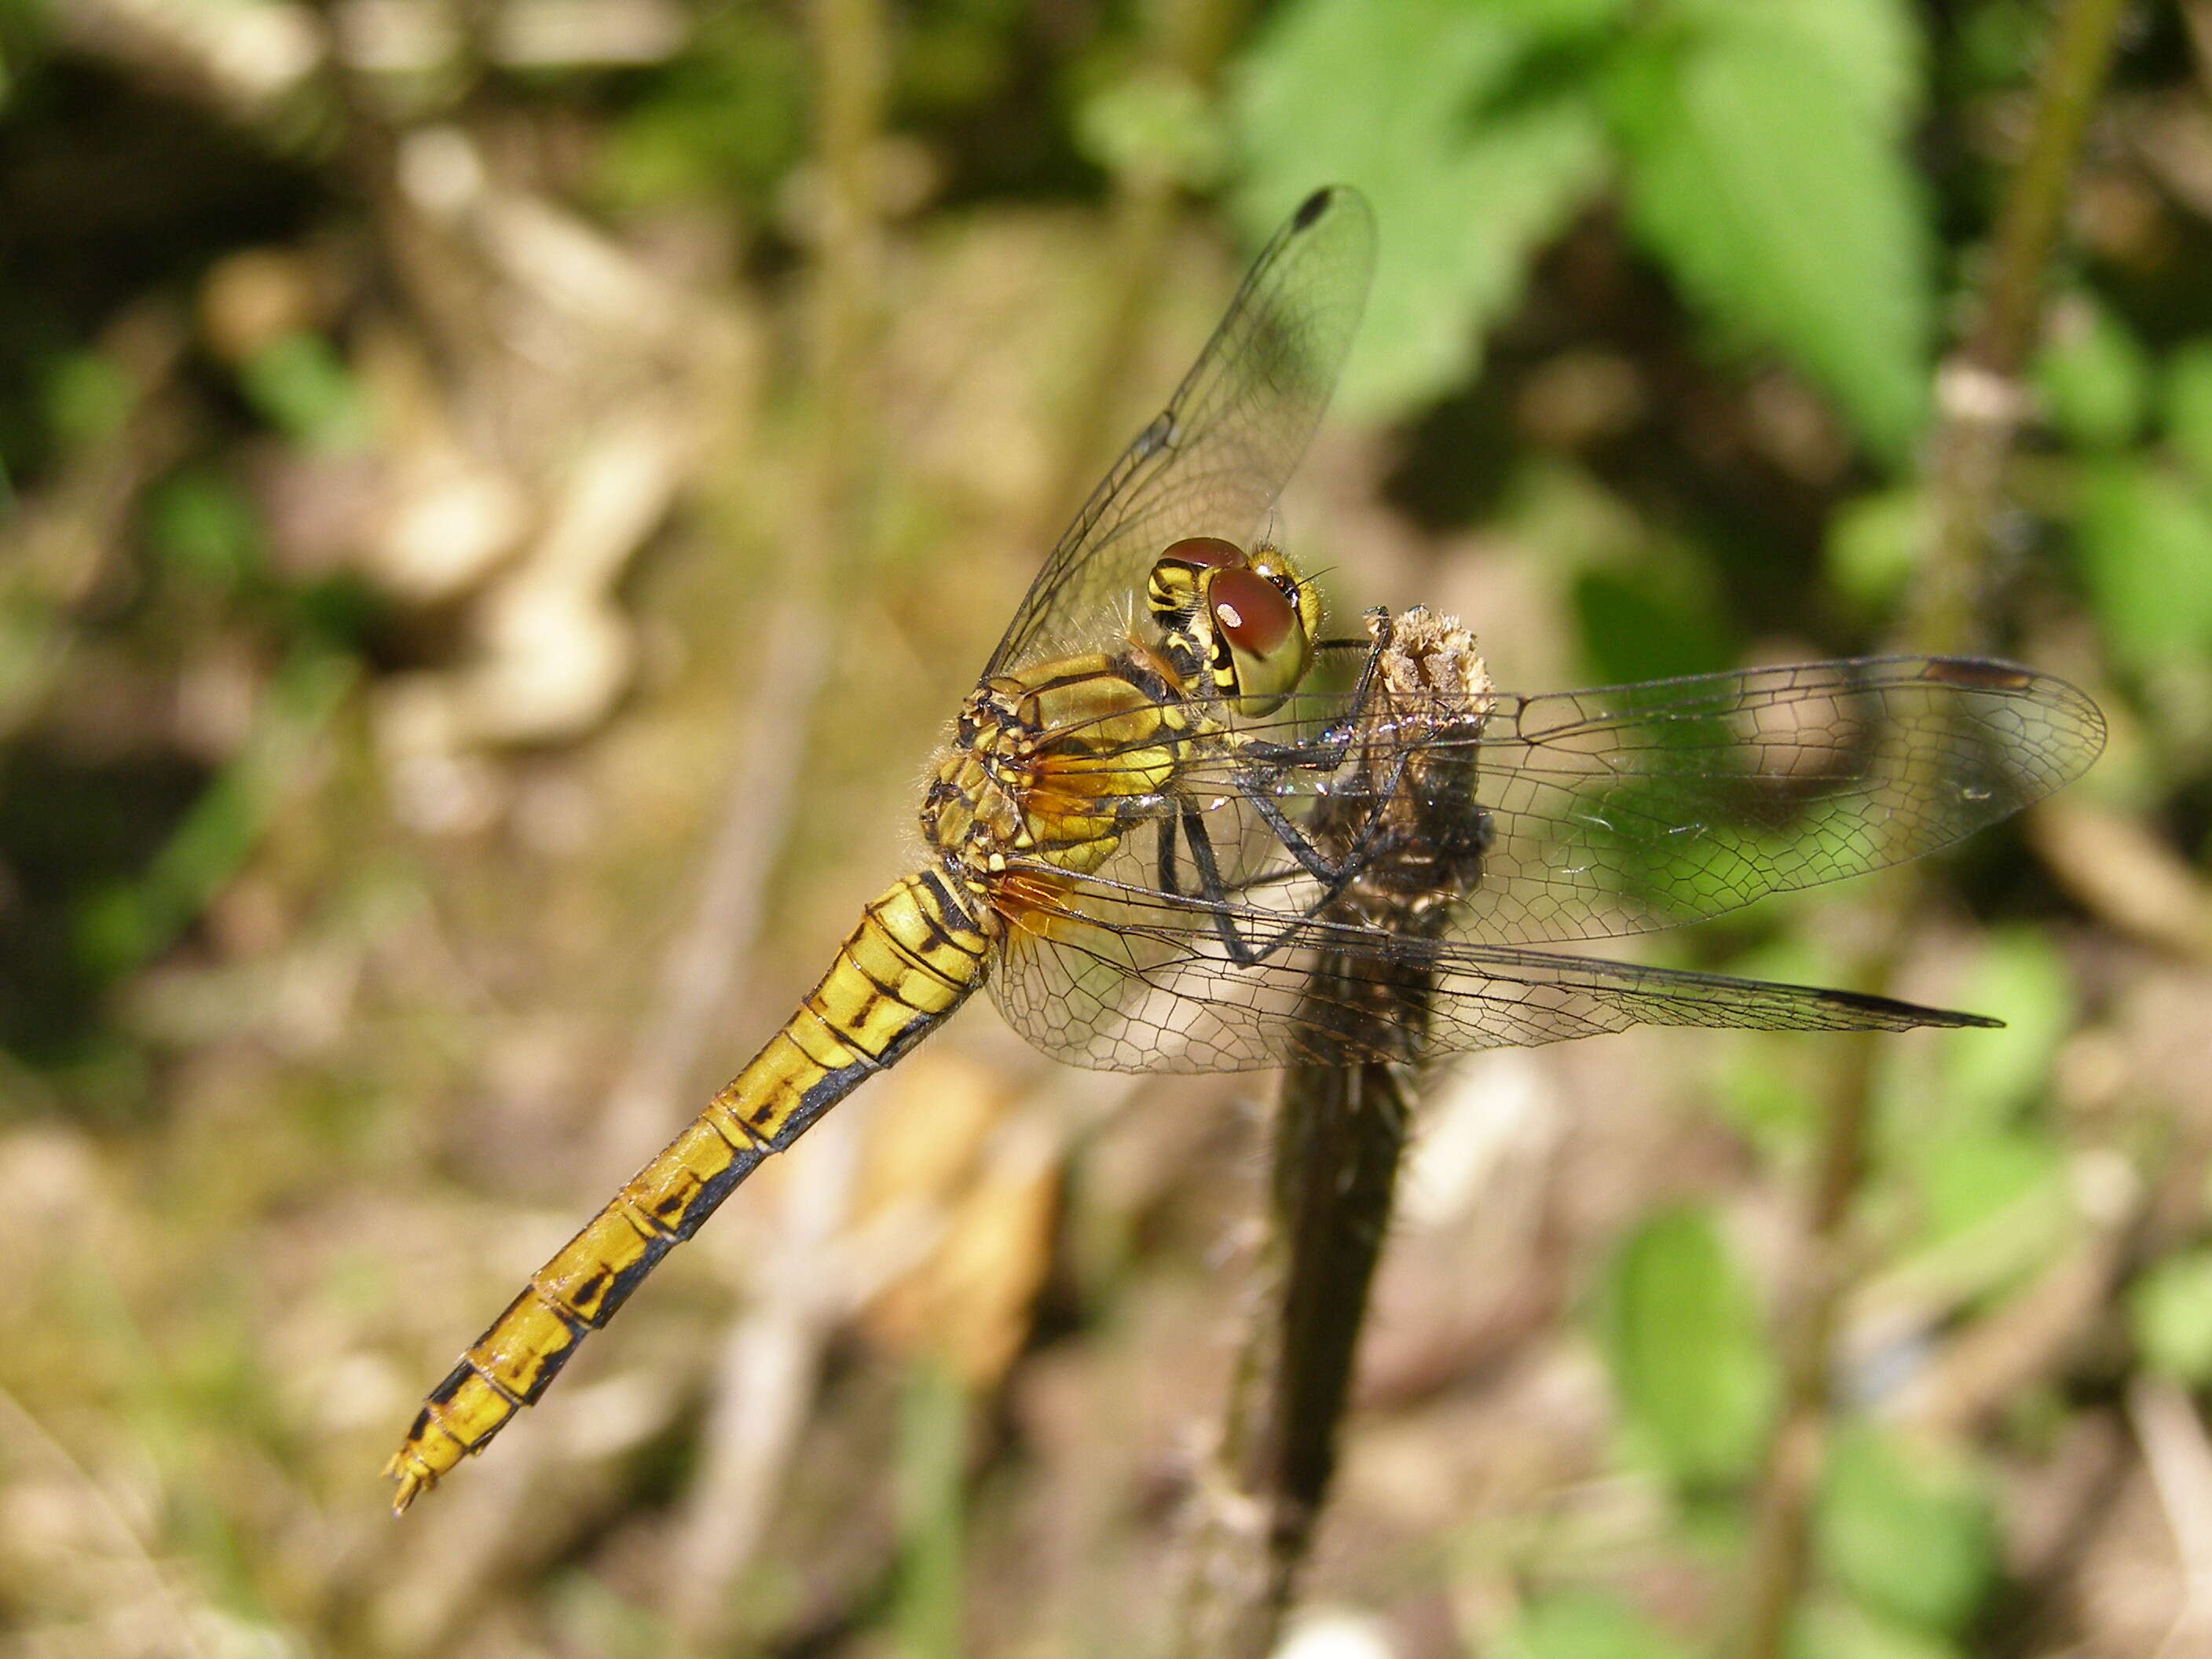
{"points": [[914, 958]]}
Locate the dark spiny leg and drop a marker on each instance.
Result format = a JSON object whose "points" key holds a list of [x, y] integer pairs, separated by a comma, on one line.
{"points": [[1215, 893], [1328, 751], [1211, 889], [1255, 789]]}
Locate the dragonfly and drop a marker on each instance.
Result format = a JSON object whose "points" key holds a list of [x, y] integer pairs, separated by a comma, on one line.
{"points": [[1158, 808]]}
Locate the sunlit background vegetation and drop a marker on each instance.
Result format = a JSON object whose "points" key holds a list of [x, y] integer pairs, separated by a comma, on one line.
{"points": [[498, 499]]}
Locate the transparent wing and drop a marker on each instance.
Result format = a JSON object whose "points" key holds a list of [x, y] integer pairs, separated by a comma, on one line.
{"points": [[1214, 460], [1601, 812], [1628, 808], [1121, 977]]}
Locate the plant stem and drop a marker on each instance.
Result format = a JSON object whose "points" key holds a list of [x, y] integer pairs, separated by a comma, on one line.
{"points": [[1339, 1134], [765, 1383], [1979, 399], [1981, 402], [1183, 38]]}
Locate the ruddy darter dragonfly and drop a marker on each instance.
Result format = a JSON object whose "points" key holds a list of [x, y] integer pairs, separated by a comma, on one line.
{"points": [[1116, 841]]}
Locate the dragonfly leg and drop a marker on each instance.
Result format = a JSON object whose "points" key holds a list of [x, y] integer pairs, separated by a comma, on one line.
{"points": [[1213, 892], [1255, 788], [1328, 753]]}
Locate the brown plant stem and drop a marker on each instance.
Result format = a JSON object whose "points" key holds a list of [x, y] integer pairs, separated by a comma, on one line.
{"points": [[1979, 399], [1185, 38], [1339, 1134], [1339, 1130], [1782, 1535], [1980, 402], [765, 1384]]}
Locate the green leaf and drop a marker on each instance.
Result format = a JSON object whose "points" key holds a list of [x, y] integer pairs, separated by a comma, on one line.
{"points": [[201, 526], [2170, 1315], [1580, 1624], [1875, 543], [1776, 190], [1683, 1337], [1153, 122], [1421, 105], [299, 385], [87, 397], [1836, 1630], [2144, 539], [1967, 1180], [1906, 1527], [1560, 22], [2093, 376], [119, 927], [1988, 1076], [1876, 49], [2189, 405], [2001, 44], [1763, 1087], [1638, 625], [729, 115]]}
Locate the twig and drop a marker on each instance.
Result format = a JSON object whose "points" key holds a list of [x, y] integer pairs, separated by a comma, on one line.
{"points": [[701, 974], [1784, 1503], [2180, 1464], [22, 1429], [1339, 1135], [1980, 402], [764, 1385], [1979, 399], [2131, 880], [765, 1380], [1184, 38]]}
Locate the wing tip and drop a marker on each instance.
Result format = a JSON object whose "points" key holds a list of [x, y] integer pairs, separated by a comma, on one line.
{"points": [[1314, 206], [1892, 1014]]}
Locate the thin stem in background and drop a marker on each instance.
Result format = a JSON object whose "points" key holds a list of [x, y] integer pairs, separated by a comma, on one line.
{"points": [[1185, 38], [1980, 401], [765, 1384]]}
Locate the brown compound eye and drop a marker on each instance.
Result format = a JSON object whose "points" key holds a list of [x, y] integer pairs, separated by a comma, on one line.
{"points": [[1251, 613], [1181, 572], [1204, 553], [1269, 648]]}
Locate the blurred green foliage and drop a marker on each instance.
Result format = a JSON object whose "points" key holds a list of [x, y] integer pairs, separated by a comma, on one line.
{"points": [[1907, 1530], [1579, 1625], [1719, 123], [2170, 1314], [1688, 1350]]}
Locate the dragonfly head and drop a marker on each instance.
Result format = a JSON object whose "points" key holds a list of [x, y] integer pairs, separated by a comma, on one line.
{"points": [[1245, 620]]}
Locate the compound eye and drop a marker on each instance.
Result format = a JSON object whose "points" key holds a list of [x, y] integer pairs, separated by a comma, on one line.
{"points": [[1181, 573], [1250, 611], [1269, 648], [1204, 553]]}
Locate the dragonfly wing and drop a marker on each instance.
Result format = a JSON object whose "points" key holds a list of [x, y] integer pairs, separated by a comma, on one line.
{"points": [[1633, 807], [1120, 978], [1214, 460]]}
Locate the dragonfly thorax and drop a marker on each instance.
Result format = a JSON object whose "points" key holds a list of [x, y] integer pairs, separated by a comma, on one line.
{"points": [[1242, 622], [1053, 764]]}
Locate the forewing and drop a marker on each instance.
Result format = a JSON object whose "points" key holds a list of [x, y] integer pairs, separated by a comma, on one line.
{"points": [[1628, 808], [1215, 459], [1121, 977]]}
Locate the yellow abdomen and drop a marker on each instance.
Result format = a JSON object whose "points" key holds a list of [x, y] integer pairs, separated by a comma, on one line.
{"points": [[914, 958]]}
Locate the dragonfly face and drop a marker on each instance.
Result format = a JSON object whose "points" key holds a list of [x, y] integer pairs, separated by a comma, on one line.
{"points": [[1148, 826], [1245, 621]]}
